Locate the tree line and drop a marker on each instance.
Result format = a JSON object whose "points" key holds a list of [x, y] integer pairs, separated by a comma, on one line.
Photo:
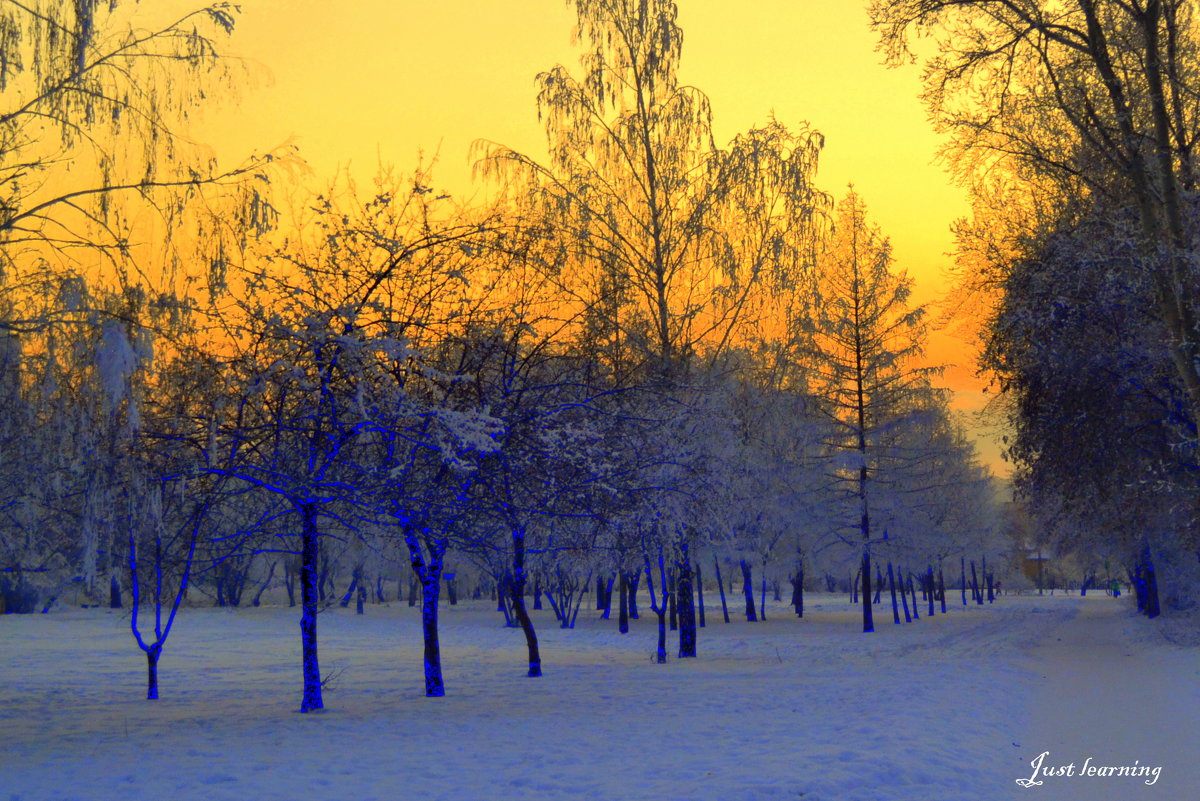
{"points": [[644, 353], [1075, 125]]}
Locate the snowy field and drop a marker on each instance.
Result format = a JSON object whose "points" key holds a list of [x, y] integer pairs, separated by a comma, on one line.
{"points": [[952, 707]]}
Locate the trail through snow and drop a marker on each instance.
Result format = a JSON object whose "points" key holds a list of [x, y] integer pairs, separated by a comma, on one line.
{"points": [[1112, 689], [954, 706]]}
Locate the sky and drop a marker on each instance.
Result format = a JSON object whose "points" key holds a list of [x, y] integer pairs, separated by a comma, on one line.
{"points": [[373, 82]]}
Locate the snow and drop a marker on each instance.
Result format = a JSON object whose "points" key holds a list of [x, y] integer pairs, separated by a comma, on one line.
{"points": [[812, 709]]}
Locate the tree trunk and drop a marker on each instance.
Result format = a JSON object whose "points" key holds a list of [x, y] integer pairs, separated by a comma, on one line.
{"points": [[1151, 582], [672, 589], [634, 579], [518, 599], [412, 591], [152, 655], [435, 686], [800, 591], [114, 593], [350, 590], [685, 604], [721, 589], [942, 589], [762, 598], [537, 593], [289, 582], [878, 585], [700, 592], [929, 582], [868, 614], [912, 591], [963, 577], [748, 591], [975, 593], [904, 598], [310, 552], [892, 589], [623, 612], [608, 596]]}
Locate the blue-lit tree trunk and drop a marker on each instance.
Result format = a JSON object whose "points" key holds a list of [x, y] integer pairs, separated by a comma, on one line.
{"points": [[162, 629], [699, 592], [868, 617], [427, 567], [518, 598], [721, 589], [634, 579], [748, 591], [623, 610], [904, 598], [912, 591], [657, 605], [932, 588], [686, 609], [435, 686], [942, 589], [892, 589], [310, 548], [962, 560]]}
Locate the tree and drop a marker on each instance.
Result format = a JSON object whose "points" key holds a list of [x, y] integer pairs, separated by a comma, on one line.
{"points": [[863, 337], [93, 109], [1090, 97]]}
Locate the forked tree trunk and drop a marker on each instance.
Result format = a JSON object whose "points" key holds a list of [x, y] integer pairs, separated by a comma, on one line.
{"points": [[904, 598]]}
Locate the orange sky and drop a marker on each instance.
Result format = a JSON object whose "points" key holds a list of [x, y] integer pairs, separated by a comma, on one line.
{"points": [[371, 81]]}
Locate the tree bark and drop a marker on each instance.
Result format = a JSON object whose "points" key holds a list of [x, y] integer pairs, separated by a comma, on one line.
{"points": [[435, 686], [685, 605], [310, 551], [912, 590], [892, 589], [748, 591], [721, 589], [152, 655], [868, 614], [623, 612]]}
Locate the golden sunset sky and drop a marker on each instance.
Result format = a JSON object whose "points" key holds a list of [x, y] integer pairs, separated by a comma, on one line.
{"points": [[369, 82]]}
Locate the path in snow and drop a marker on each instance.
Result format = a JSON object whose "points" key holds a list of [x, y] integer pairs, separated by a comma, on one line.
{"points": [[1112, 689]]}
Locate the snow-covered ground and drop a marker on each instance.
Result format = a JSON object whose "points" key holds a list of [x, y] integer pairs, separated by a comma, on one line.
{"points": [[946, 708]]}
